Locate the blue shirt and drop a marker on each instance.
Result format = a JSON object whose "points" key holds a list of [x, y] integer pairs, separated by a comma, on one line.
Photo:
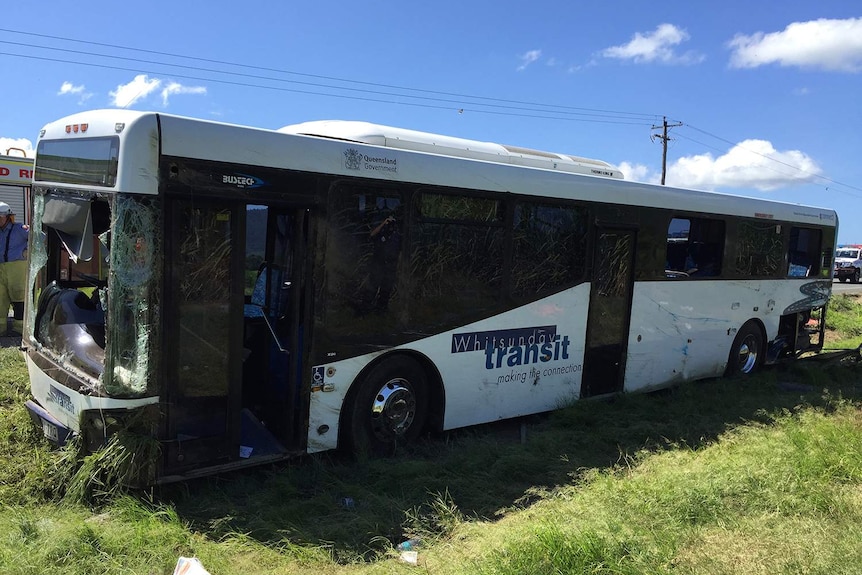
{"points": [[13, 242]]}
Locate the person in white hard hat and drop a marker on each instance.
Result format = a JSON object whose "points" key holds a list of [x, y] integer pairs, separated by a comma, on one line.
{"points": [[13, 269]]}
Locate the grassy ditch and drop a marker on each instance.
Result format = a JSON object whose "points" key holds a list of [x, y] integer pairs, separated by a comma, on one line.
{"points": [[757, 475]]}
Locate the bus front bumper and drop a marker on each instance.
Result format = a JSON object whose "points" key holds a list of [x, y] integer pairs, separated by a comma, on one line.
{"points": [[54, 431]]}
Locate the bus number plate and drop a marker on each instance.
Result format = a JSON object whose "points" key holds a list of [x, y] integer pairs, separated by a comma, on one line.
{"points": [[50, 431]]}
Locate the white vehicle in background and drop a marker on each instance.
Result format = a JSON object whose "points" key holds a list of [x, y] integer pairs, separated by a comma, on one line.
{"points": [[848, 263]]}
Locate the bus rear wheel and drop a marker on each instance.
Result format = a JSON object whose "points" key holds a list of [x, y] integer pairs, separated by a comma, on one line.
{"points": [[390, 407], [746, 354]]}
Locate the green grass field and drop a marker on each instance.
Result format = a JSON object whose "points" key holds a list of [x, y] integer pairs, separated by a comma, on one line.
{"points": [[759, 475]]}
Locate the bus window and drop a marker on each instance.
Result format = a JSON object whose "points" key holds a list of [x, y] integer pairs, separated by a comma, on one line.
{"points": [[549, 248], [363, 253], [255, 245], [457, 251], [759, 249], [695, 247], [804, 252]]}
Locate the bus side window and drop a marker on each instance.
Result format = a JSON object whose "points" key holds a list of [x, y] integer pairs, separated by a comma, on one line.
{"points": [[549, 248], [363, 260], [677, 248], [695, 248], [804, 252], [759, 249]]}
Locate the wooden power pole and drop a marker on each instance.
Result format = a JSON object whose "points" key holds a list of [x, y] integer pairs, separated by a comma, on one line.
{"points": [[664, 139]]}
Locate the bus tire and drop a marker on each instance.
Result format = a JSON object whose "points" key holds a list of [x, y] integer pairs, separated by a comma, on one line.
{"points": [[747, 353], [390, 407]]}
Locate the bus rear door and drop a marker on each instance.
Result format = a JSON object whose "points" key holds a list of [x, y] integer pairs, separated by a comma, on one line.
{"points": [[610, 312]]}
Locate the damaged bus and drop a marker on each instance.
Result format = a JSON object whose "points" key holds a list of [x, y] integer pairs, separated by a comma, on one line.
{"points": [[242, 295]]}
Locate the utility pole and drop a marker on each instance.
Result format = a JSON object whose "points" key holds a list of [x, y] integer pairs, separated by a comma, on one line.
{"points": [[664, 139]]}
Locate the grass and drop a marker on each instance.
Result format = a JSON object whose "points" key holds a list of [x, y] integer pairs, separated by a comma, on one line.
{"points": [[759, 475], [844, 320]]}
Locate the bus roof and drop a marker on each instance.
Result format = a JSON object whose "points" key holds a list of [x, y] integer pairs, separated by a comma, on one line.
{"points": [[145, 135], [391, 137]]}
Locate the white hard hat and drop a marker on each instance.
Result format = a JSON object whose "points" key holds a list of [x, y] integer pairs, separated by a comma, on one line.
{"points": [[5, 210]]}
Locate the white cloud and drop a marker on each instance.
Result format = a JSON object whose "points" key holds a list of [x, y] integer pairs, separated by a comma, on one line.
{"points": [[20, 143], [656, 46], [834, 45], [67, 89], [638, 173], [749, 164], [528, 58], [127, 94], [176, 88], [142, 86]]}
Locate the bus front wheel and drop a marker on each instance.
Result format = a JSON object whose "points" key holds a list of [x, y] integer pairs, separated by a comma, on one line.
{"points": [[746, 355], [389, 408]]}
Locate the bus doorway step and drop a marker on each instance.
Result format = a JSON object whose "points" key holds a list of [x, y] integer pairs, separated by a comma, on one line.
{"points": [[255, 439]]}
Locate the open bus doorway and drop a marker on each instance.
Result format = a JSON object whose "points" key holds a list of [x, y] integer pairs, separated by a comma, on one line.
{"points": [[609, 313], [234, 331], [273, 322]]}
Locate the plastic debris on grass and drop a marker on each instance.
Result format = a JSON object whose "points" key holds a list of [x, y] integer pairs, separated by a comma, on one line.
{"points": [[190, 566]]}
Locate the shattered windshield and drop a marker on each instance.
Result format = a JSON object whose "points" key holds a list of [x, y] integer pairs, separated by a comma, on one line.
{"points": [[94, 284]]}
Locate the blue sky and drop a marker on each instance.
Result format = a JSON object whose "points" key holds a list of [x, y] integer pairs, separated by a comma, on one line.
{"points": [[768, 93]]}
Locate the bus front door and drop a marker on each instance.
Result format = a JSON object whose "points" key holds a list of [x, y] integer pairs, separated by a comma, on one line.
{"points": [[202, 322], [609, 313], [234, 308]]}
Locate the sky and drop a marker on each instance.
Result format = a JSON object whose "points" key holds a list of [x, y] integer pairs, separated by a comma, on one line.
{"points": [[761, 98]]}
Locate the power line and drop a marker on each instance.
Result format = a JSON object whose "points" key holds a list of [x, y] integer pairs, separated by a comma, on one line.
{"points": [[553, 108], [420, 97], [309, 92], [270, 78], [797, 168]]}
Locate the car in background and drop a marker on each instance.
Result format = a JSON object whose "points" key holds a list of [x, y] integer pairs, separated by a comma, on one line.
{"points": [[848, 263]]}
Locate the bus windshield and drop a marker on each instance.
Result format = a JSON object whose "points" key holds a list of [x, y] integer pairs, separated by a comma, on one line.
{"points": [[73, 246]]}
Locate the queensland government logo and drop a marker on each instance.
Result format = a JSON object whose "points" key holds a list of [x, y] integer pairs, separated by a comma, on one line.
{"points": [[352, 159], [356, 160]]}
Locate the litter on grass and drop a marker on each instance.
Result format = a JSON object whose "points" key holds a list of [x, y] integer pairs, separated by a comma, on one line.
{"points": [[190, 566]]}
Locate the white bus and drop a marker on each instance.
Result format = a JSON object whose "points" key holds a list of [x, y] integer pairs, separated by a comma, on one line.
{"points": [[254, 294]]}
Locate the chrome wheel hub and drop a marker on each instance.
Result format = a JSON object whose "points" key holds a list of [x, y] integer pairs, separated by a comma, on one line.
{"points": [[393, 409], [748, 355]]}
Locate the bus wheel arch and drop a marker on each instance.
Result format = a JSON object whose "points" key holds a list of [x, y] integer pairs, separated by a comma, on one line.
{"points": [[748, 351], [390, 403]]}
